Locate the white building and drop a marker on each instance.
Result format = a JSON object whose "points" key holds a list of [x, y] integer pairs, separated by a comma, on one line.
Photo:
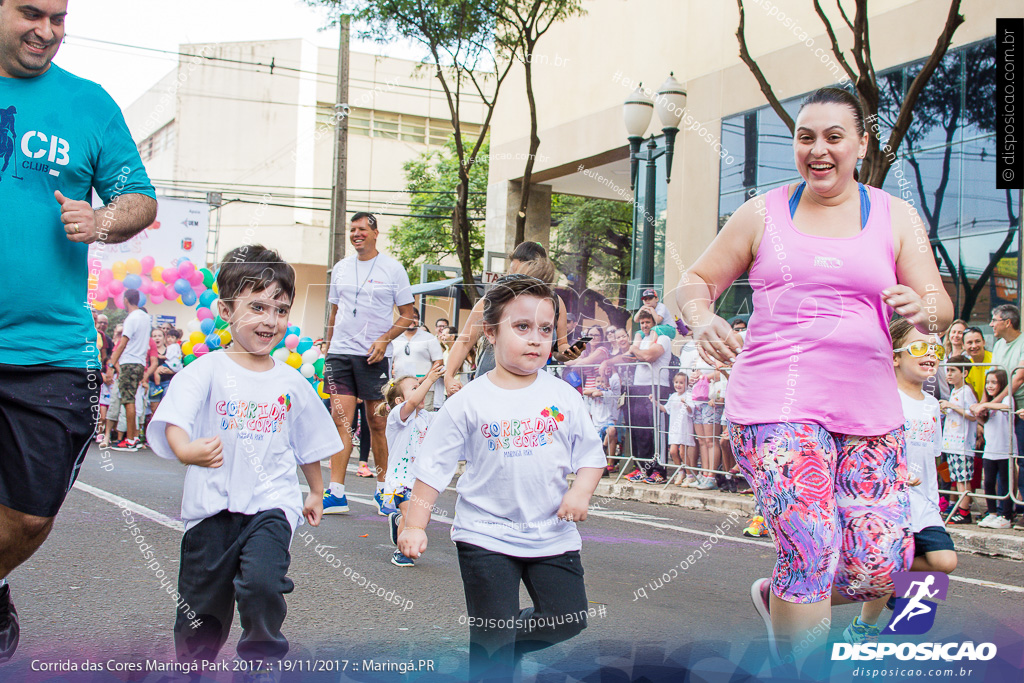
{"points": [[254, 122]]}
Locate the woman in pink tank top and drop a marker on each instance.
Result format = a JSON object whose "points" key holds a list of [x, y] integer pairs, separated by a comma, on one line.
{"points": [[815, 417]]}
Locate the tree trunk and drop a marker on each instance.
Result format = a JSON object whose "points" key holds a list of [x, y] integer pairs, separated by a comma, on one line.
{"points": [[461, 233], [524, 199]]}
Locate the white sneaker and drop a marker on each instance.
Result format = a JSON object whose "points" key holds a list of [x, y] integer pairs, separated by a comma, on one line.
{"points": [[690, 482], [707, 484], [1000, 523], [987, 521]]}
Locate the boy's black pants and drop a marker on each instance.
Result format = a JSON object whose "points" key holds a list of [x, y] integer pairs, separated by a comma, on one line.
{"points": [[231, 558]]}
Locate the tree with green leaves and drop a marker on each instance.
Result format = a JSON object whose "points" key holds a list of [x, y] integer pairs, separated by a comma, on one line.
{"points": [[521, 24], [467, 60], [431, 180], [592, 241]]}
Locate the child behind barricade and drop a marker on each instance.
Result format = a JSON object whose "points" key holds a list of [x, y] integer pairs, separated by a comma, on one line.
{"points": [[602, 401], [107, 390], [958, 435], [408, 420], [998, 446], [916, 357], [521, 433], [679, 408], [242, 421]]}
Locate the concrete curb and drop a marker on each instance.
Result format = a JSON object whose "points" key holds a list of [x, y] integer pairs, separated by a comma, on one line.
{"points": [[970, 539]]}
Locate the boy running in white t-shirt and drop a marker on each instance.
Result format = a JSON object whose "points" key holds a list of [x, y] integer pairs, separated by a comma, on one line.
{"points": [[521, 433], [242, 421]]}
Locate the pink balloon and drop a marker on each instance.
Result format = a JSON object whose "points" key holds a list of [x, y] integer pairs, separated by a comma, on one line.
{"points": [[157, 297], [169, 275], [199, 349], [196, 278], [203, 313], [99, 294], [105, 276], [185, 269], [115, 287], [119, 299], [169, 293], [199, 289], [147, 264], [291, 341]]}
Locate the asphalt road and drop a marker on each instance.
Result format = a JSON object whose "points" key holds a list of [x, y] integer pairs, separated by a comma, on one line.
{"points": [[89, 598]]}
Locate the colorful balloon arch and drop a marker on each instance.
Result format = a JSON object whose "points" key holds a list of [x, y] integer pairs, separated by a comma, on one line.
{"points": [[191, 286]]}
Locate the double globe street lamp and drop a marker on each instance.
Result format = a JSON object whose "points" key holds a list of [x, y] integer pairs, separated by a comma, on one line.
{"points": [[669, 101]]}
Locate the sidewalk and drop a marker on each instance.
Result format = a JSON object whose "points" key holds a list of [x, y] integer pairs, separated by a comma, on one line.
{"points": [[1002, 543]]}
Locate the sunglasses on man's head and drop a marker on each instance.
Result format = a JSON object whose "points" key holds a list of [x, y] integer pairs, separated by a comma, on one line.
{"points": [[921, 348]]}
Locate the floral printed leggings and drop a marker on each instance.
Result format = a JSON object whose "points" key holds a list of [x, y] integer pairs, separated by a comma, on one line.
{"points": [[837, 507]]}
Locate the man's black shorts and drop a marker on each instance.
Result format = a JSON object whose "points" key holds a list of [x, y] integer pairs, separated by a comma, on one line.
{"points": [[930, 539], [46, 424], [350, 375]]}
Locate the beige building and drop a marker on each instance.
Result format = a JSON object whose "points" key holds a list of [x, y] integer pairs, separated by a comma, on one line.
{"points": [[587, 67], [254, 121]]}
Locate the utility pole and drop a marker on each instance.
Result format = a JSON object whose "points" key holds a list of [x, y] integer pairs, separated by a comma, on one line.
{"points": [[337, 239]]}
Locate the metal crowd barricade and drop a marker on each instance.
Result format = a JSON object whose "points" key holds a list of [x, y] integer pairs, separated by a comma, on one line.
{"points": [[1014, 457]]}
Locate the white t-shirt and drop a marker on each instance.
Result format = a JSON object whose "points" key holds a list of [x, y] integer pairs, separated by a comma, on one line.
{"points": [[959, 433], [924, 439], [173, 354], [997, 433], [371, 289], [642, 376], [604, 409], [268, 422], [404, 441], [680, 422], [688, 357], [137, 328], [423, 350], [519, 446]]}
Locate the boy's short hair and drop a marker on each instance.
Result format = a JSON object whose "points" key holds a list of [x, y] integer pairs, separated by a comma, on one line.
{"points": [[131, 296], [253, 266]]}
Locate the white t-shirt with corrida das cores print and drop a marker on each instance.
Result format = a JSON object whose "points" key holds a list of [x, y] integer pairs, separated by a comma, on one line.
{"points": [[923, 436], [519, 446], [268, 422], [366, 294]]}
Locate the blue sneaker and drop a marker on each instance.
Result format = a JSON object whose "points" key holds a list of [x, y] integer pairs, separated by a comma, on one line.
{"points": [[334, 505], [393, 520], [400, 560], [383, 509]]}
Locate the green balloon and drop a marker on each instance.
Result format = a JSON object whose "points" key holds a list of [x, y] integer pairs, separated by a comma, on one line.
{"points": [[220, 323], [318, 367], [207, 277], [188, 359]]}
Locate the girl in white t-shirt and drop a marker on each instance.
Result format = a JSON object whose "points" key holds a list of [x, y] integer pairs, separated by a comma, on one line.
{"points": [[998, 446], [404, 404], [521, 433], [679, 408]]}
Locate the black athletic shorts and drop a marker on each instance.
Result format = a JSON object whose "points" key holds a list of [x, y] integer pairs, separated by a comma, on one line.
{"points": [[46, 424], [350, 375]]}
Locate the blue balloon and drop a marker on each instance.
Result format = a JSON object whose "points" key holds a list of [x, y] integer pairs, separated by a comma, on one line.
{"points": [[181, 285], [212, 341], [207, 298], [189, 298], [132, 281], [305, 344], [142, 298], [207, 326]]}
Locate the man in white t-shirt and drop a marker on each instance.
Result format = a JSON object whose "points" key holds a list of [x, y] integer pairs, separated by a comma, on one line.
{"points": [[129, 358], [652, 305], [365, 289], [414, 353], [653, 353]]}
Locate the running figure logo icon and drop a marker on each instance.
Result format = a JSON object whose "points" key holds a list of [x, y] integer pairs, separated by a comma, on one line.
{"points": [[914, 613]]}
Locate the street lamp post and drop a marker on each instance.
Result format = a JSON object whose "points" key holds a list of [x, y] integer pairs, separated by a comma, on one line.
{"points": [[637, 112]]}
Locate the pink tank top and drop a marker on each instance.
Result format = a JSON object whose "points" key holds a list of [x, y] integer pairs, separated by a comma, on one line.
{"points": [[817, 347]]}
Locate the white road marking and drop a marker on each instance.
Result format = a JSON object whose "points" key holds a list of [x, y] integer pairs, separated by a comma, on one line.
{"points": [[621, 515], [157, 517]]}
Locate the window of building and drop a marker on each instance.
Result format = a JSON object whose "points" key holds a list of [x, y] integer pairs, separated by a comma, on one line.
{"points": [[394, 126], [160, 141]]}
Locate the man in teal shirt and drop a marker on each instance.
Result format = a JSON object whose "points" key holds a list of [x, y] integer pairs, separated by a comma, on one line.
{"points": [[61, 137]]}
